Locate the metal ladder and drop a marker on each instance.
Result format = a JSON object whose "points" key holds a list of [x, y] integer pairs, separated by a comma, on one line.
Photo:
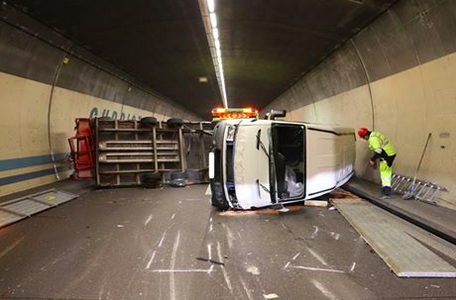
{"points": [[425, 191]]}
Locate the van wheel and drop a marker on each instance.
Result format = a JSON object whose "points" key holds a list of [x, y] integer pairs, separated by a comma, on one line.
{"points": [[148, 122], [218, 199]]}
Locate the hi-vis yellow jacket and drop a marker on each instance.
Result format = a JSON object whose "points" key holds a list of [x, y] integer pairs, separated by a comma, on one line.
{"points": [[378, 142]]}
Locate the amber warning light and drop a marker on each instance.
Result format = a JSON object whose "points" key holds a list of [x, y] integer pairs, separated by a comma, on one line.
{"points": [[234, 113]]}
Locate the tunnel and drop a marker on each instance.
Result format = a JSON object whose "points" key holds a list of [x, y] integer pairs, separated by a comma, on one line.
{"points": [[385, 65]]}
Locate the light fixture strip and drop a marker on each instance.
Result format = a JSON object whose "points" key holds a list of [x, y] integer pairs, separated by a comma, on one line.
{"points": [[214, 34]]}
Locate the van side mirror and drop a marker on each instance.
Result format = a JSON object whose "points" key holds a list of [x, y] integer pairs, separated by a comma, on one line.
{"points": [[276, 113]]}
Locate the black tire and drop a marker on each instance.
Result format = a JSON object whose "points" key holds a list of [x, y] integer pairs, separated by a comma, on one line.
{"points": [[218, 198], [151, 180], [175, 122], [148, 122]]}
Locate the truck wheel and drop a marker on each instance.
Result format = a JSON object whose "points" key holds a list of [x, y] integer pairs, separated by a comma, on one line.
{"points": [[175, 122], [151, 180], [148, 122]]}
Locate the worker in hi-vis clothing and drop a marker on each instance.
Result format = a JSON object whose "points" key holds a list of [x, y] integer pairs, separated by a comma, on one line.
{"points": [[383, 151]]}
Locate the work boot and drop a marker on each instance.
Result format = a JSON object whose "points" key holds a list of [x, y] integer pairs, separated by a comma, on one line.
{"points": [[386, 192]]}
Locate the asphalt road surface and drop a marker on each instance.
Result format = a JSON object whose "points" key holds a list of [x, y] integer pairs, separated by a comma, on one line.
{"points": [[171, 244]]}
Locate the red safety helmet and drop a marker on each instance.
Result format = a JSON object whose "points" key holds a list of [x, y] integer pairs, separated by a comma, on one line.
{"points": [[362, 132]]}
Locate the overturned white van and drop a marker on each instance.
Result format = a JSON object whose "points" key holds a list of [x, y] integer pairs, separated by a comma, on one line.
{"points": [[257, 163]]}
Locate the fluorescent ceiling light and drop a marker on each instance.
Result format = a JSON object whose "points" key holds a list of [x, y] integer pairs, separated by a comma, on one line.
{"points": [[215, 33], [211, 5], [213, 20]]}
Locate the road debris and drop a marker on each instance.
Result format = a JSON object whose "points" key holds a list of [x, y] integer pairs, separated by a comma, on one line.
{"points": [[315, 233], [210, 260], [253, 270], [271, 296], [353, 267]]}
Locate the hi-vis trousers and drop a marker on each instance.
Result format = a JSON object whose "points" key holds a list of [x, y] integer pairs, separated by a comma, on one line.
{"points": [[386, 170]]}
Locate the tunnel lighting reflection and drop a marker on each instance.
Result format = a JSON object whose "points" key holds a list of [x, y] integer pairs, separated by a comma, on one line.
{"points": [[211, 5], [213, 20], [215, 33], [217, 44]]}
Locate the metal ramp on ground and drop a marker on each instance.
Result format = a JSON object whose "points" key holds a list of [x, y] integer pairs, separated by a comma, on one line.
{"points": [[24, 207], [397, 244]]}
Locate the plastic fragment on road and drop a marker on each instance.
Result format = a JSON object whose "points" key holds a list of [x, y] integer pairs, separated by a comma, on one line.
{"points": [[271, 296]]}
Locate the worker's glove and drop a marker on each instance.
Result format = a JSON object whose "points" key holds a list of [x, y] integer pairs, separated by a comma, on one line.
{"points": [[373, 164]]}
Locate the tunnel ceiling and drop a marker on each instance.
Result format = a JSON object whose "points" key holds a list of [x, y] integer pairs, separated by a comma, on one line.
{"points": [[266, 44]]}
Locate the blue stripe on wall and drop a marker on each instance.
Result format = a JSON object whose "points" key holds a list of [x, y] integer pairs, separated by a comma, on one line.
{"points": [[31, 175], [24, 162]]}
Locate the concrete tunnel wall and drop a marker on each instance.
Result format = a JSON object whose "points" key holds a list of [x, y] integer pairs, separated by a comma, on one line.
{"points": [[397, 76], [46, 81]]}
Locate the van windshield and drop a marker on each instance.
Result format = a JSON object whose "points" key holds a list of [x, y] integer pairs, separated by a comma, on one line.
{"points": [[289, 158]]}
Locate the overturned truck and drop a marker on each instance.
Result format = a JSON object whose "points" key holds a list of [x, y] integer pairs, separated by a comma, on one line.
{"points": [[257, 163]]}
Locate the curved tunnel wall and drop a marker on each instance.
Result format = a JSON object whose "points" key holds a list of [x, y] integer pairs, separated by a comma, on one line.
{"points": [[46, 81], [396, 76]]}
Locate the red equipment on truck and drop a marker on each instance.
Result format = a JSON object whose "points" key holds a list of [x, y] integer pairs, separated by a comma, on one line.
{"points": [[81, 146]]}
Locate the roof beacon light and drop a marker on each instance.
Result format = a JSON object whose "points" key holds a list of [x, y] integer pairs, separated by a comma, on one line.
{"points": [[234, 113]]}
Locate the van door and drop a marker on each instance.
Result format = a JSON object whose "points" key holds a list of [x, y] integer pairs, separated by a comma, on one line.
{"points": [[330, 159]]}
